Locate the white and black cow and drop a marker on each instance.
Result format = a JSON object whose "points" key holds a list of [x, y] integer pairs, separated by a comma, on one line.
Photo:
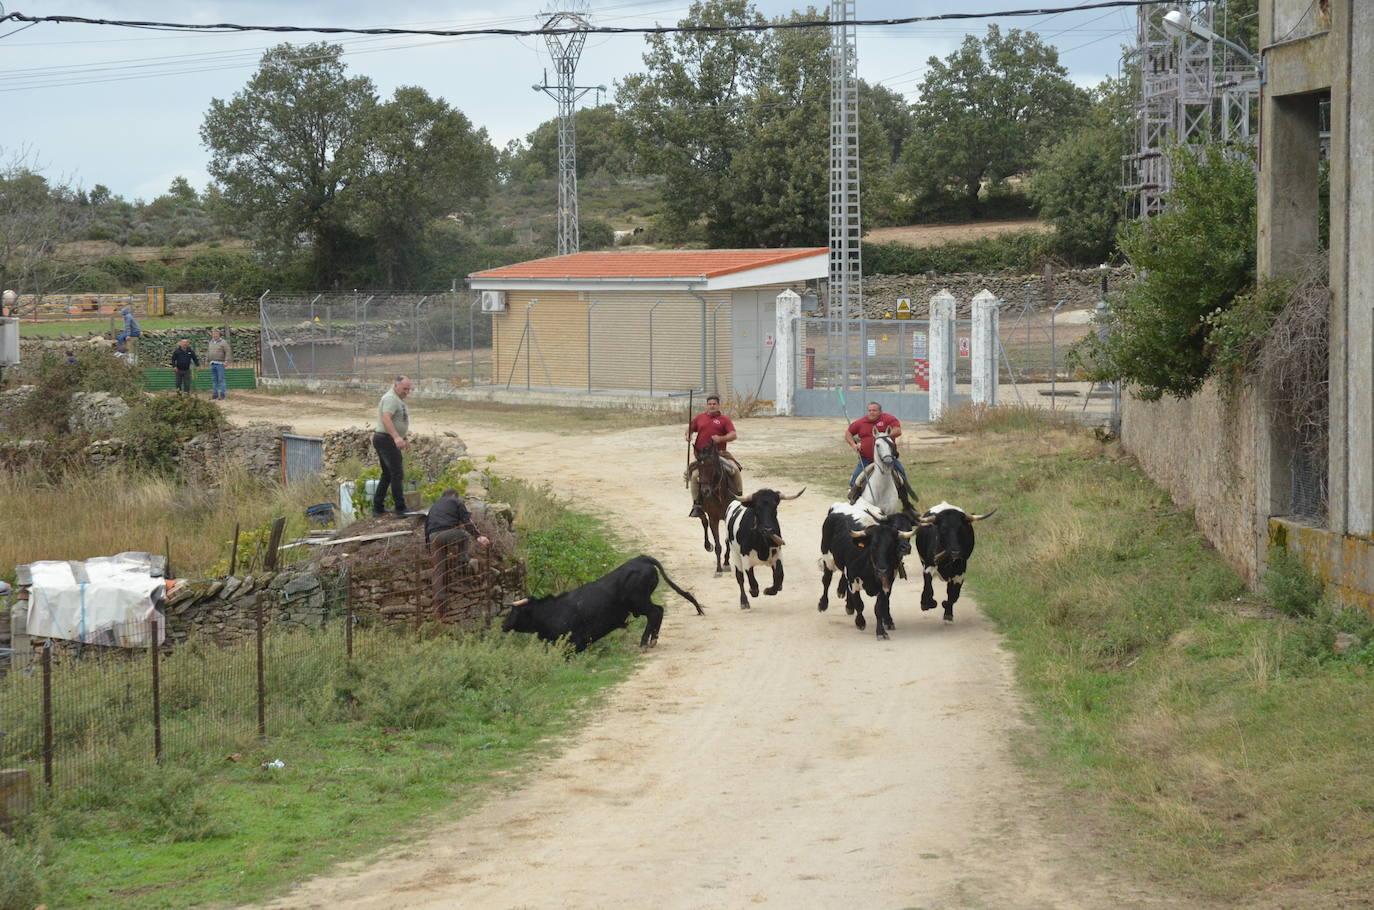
{"points": [[754, 538], [599, 607], [944, 542], [866, 549]]}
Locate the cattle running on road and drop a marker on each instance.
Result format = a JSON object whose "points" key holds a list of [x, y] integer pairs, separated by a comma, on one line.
{"points": [[944, 541], [866, 549], [599, 607], [753, 537]]}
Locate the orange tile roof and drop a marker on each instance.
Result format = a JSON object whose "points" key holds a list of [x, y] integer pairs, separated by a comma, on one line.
{"points": [[650, 264]]}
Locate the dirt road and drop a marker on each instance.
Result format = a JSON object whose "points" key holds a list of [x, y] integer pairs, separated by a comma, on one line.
{"points": [[776, 757]]}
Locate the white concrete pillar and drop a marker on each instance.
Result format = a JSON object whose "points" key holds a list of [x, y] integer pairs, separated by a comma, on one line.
{"points": [[942, 307], [786, 313], [984, 347]]}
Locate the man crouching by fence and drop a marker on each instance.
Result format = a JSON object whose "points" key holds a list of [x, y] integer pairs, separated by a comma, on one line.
{"points": [[448, 531]]}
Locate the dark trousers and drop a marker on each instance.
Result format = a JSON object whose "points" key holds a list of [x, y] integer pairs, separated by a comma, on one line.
{"points": [[393, 473], [184, 381], [449, 550]]}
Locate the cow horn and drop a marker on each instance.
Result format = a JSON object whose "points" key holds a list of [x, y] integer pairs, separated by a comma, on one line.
{"points": [[745, 499], [795, 495], [777, 539], [927, 520], [981, 517], [941, 555], [858, 535], [521, 602], [907, 535]]}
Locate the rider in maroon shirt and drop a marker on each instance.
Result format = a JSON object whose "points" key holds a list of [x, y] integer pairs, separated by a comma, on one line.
{"points": [[712, 428]]}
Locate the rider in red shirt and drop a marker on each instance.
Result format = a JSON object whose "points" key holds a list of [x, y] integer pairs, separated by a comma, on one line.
{"points": [[859, 437], [712, 428]]}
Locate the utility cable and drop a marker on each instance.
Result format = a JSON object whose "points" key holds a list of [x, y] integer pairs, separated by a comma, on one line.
{"points": [[227, 27]]}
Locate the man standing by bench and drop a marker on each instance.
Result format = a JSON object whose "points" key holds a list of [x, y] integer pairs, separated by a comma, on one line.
{"points": [[218, 354], [182, 358]]}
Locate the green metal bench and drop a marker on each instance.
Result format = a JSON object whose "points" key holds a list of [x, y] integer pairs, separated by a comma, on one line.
{"points": [[163, 380]]}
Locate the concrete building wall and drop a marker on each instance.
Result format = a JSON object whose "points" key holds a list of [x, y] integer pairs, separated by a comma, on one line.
{"points": [[1202, 451], [621, 351]]}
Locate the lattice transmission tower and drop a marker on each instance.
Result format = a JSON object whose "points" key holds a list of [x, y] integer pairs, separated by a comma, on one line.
{"points": [[846, 229], [1190, 90], [565, 50]]}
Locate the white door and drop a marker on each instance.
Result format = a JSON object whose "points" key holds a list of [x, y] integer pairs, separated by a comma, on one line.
{"points": [[753, 346]]}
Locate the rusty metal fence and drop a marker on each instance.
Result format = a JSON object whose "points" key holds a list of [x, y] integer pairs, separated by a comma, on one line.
{"points": [[71, 714]]}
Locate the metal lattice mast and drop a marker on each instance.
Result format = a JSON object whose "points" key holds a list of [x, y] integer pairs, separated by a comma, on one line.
{"points": [[846, 230], [565, 49], [1190, 91]]}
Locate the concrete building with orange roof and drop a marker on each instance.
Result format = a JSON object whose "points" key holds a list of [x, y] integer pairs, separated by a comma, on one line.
{"points": [[655, 322]]}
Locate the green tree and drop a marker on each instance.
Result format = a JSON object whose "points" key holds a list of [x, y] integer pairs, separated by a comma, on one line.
{"points": [[1191, 263], [986, 110], [1077, 180], [36, 215], [601, 147], [289, 152], [686, 113], [424, 161]]}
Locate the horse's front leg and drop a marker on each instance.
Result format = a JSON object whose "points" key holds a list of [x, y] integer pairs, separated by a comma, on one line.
{"points": [[715, 533]]}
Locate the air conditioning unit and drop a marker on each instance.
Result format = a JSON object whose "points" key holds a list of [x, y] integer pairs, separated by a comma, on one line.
{"points": [[493, 301]]}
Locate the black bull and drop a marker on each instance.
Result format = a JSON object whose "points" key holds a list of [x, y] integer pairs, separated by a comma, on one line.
{"points": [[599, 607], [944, 541], [867, 552]]}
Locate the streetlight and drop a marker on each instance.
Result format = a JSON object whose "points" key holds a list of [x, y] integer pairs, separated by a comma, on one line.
{"points": [[1177, 22]]}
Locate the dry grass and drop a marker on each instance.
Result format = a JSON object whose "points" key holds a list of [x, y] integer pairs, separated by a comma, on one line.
{"points": [[923, 235], [88, 513]]}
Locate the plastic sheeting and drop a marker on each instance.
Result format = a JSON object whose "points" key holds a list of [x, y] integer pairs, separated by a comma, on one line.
{"points": [[107, 600]]}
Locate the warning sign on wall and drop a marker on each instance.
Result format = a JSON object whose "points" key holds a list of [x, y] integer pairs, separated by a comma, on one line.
{"points": [[963, 347], [918, 346], [903, 307], [768, 340]]}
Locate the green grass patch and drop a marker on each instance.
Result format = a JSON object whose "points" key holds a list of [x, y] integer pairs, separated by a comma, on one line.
{"points": [[105, 324], [417, 730], [1217, 744]]}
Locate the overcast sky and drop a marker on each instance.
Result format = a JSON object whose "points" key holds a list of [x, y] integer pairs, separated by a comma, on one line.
{"points": [[123, 107]]}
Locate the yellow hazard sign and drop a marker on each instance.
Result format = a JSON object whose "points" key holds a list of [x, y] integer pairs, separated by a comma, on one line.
{"points": [[903, 307]]}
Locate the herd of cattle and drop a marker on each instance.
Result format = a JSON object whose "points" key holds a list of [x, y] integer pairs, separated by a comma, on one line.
{"points": [[860, 544]]}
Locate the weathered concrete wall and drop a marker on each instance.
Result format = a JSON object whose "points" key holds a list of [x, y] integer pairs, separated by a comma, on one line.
{"points": [[1202, 452], [1343, 562]]}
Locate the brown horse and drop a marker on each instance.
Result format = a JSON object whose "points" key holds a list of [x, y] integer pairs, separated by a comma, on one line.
{"points": [[719, 486]]}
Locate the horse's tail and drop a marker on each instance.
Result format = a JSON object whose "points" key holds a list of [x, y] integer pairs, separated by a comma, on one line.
{"points": [[685, 595]]}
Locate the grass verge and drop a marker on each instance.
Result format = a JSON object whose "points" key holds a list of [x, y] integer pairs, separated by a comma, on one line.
{"points": [[1215, 744], [412, 735], [56, 328]]}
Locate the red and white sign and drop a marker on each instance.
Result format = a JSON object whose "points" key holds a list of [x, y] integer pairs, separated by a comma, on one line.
{"points": [[921, 373], [768, 341], [963, 347]]}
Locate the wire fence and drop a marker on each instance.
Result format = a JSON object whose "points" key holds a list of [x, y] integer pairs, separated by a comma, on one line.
{"points": [[71, 714], [375, 336]]}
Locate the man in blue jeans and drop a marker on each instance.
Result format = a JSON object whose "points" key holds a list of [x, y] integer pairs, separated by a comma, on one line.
{"points": [[131, 329], [859, 437], [218, 354]]}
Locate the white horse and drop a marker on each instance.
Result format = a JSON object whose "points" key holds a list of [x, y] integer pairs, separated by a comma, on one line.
{"points": [[880, 483]]}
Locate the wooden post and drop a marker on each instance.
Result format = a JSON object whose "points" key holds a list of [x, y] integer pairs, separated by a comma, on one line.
{"points": [[269, 559], [154, 655]]}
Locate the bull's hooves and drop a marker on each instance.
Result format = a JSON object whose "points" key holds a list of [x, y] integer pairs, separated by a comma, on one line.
{"points": [[821, 608], [883, 635], [889, 624], [949, 619], [928, 606], [707, 548], [859, 623], [848, 610], [744, 606], [769, 592]]}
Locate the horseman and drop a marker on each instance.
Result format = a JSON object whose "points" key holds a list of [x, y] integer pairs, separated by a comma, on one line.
{"points": [[859, 437], [713, 429]]}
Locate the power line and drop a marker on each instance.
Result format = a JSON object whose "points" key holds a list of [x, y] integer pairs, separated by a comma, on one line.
{"points": [[228, 27]]}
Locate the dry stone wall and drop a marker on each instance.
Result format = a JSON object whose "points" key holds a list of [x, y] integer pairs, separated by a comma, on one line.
{"points": [[1080, 288]]}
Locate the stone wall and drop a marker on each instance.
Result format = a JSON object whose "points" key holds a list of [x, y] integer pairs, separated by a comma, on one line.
{"points": [[1081, 288], [1201, 451], [256, 449], [154, 348], [431, 454]]}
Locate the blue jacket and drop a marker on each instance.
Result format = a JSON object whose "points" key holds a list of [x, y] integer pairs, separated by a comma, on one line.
{"points": [[131, 326]]}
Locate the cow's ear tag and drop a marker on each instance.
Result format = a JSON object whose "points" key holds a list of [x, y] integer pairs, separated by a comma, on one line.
{"points": [[861, 546]]}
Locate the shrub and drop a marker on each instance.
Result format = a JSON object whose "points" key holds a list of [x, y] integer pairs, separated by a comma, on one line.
{"points": [[1023, 251], [595, 234], [155, 426], [1290, 587], [19, 876], [1192, 261]]}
